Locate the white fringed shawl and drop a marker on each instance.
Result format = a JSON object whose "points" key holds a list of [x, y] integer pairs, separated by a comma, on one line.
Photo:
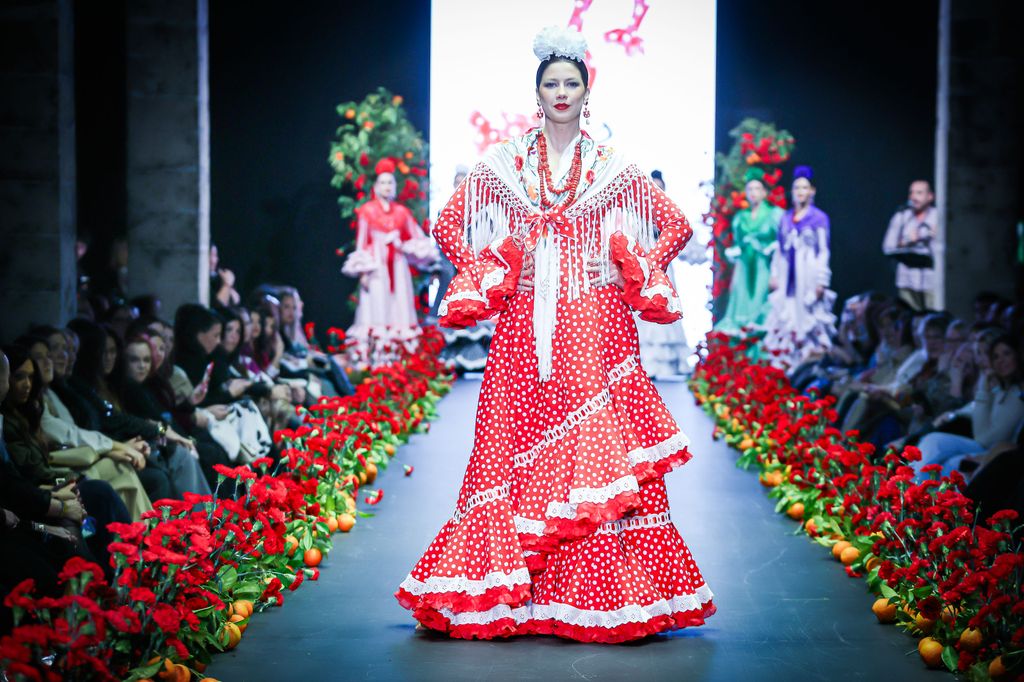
{"points": [[497, 205]]}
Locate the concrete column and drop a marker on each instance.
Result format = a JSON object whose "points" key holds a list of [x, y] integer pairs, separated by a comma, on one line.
{"points": [[978, 146], [37, 166], [168, 149]]}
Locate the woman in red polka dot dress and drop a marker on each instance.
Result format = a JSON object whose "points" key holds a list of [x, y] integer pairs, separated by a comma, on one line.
{"points": [[562, 525]]}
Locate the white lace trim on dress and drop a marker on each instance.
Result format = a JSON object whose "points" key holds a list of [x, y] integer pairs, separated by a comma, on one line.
{"points": [[660, 451], [461, 584], [480, 498], [579, 415], [570, 615], [577, 496], [634, 523]]}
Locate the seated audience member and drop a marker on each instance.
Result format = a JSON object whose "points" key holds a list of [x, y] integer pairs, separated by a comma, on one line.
{"points": [[894, 347], [117, 462], [300, 359], [222, 282], [146, 393], [851, 349], [268, 346], [96, 380], [915, 398], [26, 447], [274, 400], [198, 331], [38, 531], [996, 417]]}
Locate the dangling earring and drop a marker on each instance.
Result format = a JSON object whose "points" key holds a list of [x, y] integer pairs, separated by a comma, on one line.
{"points": [[540, 112], [586, 112]]}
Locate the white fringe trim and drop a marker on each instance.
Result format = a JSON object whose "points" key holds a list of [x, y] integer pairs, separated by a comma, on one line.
{"points": [[570, 615], [441, 584]]}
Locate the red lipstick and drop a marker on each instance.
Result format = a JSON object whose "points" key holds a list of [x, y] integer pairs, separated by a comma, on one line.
{"points": [[562, 106]]}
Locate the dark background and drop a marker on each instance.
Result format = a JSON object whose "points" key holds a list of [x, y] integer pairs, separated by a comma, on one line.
{"points": [[855, 86]]}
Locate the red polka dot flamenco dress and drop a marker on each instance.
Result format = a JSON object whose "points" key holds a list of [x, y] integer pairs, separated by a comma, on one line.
{"points": [[562, 525]]}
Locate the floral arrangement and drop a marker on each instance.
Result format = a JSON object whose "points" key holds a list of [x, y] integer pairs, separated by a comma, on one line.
{"points": [[377, 131], [191, 573], [760, 148], [937, 572], [373, 130]]}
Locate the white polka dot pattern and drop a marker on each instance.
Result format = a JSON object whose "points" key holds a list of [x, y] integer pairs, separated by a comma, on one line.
{"points": [[562, 524]]}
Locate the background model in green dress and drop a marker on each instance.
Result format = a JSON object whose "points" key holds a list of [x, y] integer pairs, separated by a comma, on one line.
{"points": [[755, 233]]}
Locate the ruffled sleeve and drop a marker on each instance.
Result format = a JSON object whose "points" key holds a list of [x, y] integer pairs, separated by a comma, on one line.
{"points": [[646, 287], [483, 283]]}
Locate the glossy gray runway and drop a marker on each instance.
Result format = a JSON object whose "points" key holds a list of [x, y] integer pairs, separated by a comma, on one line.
{"points": [[786, 609]]}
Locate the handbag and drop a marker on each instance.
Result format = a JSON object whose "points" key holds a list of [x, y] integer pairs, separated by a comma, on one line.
{"points": [[81, 457]]}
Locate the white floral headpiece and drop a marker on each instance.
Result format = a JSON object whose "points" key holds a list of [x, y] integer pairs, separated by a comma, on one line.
{"points": [[561, 42]]}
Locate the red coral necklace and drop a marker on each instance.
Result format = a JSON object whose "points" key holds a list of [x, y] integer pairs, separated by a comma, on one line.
{"points": [[572, 183]]}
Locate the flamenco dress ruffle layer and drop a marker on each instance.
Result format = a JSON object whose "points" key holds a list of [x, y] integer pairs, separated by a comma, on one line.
{"points": [[562, 526]]}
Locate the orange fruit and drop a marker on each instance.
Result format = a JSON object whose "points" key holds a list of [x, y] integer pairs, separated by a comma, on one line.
{"points": [[362, 478], [174, 672], [872, 563], [931, 652], [232, 633], [837, 549], [332, 524], [925, 625], [371, 473], [811, 527], [240, 621], [199, 666], [971, 639], [996, 668], [242, 607], [291, 543], [345, 522], [796, 511], [746, 444], [949, 614], [312, 557], [389, 449], [849, 555], [884, 610]]}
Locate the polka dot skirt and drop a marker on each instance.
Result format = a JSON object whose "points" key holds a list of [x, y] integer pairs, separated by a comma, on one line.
{"points": [[562, 526]]}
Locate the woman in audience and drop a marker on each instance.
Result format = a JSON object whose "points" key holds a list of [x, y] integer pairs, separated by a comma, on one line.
{"points": [[996, 417], [300, 360], [28, 450], [145, 393], [118, 462], [896, 344], [198, 332], [96, 380], [920, 392], [268, 346]]}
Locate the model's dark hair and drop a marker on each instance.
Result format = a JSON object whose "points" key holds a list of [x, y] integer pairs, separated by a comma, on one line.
{"points": [[584, 74]]}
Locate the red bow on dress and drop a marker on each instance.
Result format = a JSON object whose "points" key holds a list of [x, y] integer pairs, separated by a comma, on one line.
{"points": [[543, 224]]}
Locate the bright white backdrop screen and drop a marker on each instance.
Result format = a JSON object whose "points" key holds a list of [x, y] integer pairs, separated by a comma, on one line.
{"points": [[653, 96]]}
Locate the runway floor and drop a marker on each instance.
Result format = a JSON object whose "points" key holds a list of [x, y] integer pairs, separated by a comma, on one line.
{"points": [[786, 609]]}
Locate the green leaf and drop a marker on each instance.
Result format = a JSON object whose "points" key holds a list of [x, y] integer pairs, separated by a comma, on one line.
{"points": [[227, 577], [887, 591], [950, 657]]}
